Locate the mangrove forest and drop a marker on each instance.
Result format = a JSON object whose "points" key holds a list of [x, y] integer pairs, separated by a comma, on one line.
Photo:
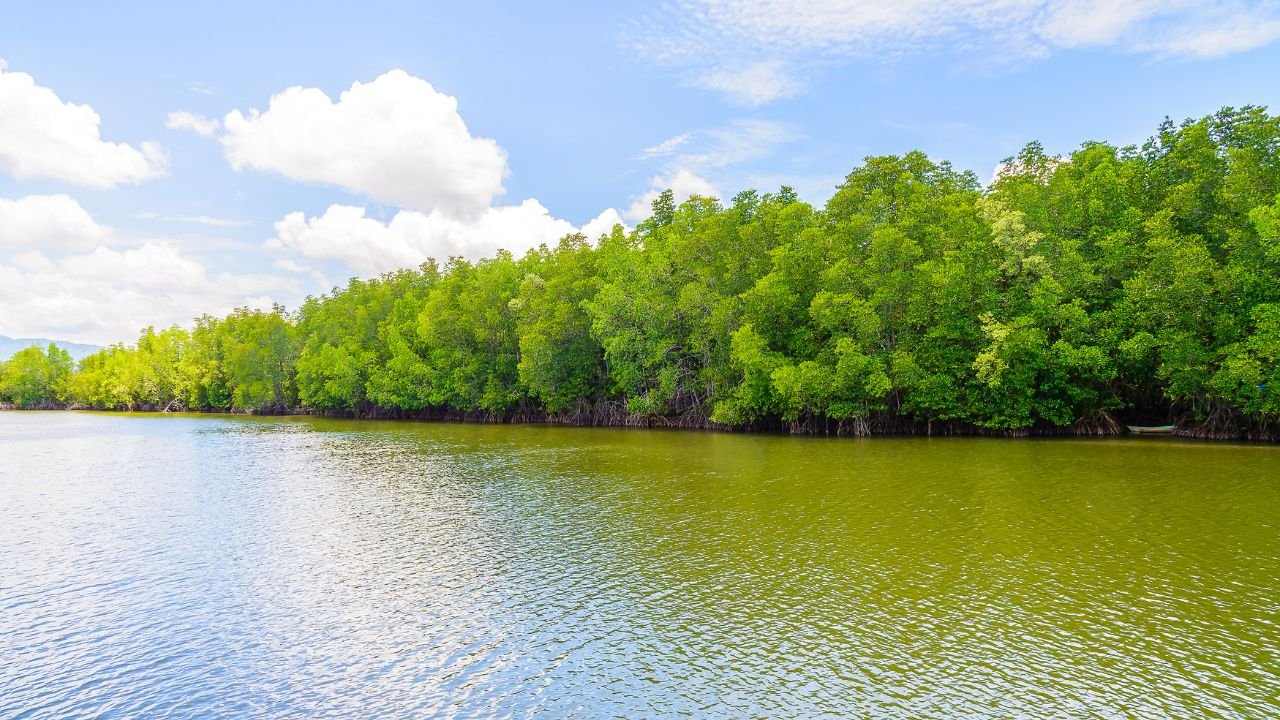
{"points": [[1071, 294]]}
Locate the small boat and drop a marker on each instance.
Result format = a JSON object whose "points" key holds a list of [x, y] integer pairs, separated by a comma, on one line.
{"points": [[1152, 429]]}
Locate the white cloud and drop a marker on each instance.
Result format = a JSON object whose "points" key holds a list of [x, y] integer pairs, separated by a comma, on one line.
{"points": [[207, 220], [602, 224], [757, 51], [196, 219], [288, 265], [683, 184], [756, 84], [687, 160], [1218, 38], [738, 142], [344, 233], [1090, 22], [395, 139], [1160, 27], [370, 246], [319, 279], [108, 295], [151, 267], [43, 137], [33, 261], [200, 125], [666, 147], [48, 222], [64, 275]]}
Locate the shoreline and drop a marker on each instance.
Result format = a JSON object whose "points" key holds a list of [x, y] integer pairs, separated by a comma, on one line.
{"points": [[812, 428]]}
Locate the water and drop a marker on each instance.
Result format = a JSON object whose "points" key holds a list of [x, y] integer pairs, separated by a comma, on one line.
{"points": [[195, 567]]}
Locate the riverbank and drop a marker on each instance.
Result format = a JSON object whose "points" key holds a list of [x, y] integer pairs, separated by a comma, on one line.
{"points": [[885, 426]]}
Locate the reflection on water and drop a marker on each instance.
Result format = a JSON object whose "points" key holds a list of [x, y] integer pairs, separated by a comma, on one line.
{"points": [[194, 567]]}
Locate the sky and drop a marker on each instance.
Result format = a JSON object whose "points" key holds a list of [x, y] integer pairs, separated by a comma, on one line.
{"points": [[159, 161]]}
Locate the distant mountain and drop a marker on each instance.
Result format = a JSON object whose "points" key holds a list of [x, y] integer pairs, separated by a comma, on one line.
{"points": [[9, 346]]}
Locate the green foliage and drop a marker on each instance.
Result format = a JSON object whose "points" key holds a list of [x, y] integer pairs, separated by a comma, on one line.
{"points": [[35, 377], [561, 364], [340, 340], [246, 361], [1143, 280], [260, 351], [468, 330], [400, 378]]}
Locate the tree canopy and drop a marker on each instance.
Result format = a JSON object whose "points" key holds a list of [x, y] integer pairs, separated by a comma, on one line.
{"points": [[1140, 283]]}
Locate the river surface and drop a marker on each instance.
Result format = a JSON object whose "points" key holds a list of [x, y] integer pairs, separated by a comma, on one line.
{"points": [[202, 566]]}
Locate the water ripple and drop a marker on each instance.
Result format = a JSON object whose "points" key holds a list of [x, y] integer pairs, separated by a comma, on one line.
{"points": [[194, 567]]}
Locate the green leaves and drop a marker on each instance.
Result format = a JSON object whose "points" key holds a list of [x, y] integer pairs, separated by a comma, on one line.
{"points": [[560, 362], [260, 352], [1142, 280], [36, 377]]}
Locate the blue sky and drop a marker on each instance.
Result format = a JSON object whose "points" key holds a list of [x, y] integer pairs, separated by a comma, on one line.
{"points": [[509, 124]]}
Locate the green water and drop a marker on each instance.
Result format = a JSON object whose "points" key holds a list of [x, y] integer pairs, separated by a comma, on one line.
{"points": [[195, 566]]}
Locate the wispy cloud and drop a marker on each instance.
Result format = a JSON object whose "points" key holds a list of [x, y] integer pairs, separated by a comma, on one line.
{"points": [[759, 51], [200, 125], [738, 142], [196, 219], [698, 162], [666, 147], [754, 84]]}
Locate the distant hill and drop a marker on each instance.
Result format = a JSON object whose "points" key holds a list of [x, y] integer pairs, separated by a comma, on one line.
{"points": [[9, 346]]}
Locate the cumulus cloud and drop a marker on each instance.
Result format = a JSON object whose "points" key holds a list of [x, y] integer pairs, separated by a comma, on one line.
{"points": [[43, 137], [200, 125], [683, 184], [108, 295], [602, 224], [48, 222], [64, 275], [396, 140], [758, 51], [370, 246]]}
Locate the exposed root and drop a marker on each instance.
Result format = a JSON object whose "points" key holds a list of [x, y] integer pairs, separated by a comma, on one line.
{"points": [[1099, 423], [1222, 424]]}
